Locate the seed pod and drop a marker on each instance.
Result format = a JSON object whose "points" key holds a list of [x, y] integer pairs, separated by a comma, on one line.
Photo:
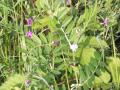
{"points": [[81, 9], [10, 19], [47, 30], [74, 2], [25, 22], [0, 18], [56, 43]]}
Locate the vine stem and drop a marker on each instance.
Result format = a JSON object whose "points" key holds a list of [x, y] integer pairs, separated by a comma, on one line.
{"points": [[41, 78], [79, 85], [64, 34], [66, 75], [113, 41], [73, 53]]}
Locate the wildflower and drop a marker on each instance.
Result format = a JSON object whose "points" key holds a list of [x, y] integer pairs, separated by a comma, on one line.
{"points": [[56, 43], [105, 22], [29, 34], [29, 21], [74, 47], [68, 2], [27, 82]]}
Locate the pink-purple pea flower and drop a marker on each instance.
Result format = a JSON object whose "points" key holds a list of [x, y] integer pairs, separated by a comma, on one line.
{"points": [[27, 82], [68, 2], [29, 21], [105, 22], [29, 34]]}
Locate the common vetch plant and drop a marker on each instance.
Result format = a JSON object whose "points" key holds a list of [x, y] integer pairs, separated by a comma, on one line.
{"points": [[59, 44]]}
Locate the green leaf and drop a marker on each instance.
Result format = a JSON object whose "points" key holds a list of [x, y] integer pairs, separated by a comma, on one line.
{"points": [[98, 43], [40, 4], [56, 72], [67, 20], [43, 38], [114, 67], [61, 67], [47, 50], [58, 49], [43, 59], [36, 39], [103, 78], [82, 76], [70, 26], [89, 54], [37, 25], [75, 69], [94, 42], [12, 82], [58, 60], [62, 12], [64, 87], [52, 24]]}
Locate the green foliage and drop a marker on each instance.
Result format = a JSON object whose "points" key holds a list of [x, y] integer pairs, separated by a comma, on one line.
{"points": [[114, 67], [103, 78], [47, 58], [15, 81], [91, 55]]}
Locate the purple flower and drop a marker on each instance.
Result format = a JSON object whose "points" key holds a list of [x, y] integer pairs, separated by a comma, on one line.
{"points": [[74, 47], [27, 82], [29, 21], [105, 22], [29, 34], [68, 2]]}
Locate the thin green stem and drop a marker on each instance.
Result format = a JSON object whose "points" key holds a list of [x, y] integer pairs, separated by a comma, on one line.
{"points": [[66, 75], [113, 42], [64, 34]]}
